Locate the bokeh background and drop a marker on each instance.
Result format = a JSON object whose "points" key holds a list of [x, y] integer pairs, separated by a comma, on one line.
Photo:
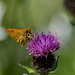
{"points": [[50, 15]]}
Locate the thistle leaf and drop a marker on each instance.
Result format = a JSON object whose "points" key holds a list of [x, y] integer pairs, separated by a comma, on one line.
{"points": [[54, 67], [30, 70]]}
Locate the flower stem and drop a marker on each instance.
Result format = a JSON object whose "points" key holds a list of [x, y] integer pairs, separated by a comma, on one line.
{"points": [[45, 73]]}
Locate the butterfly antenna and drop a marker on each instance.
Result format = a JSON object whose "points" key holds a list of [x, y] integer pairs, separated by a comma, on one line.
{"points": [[35, 29], [33, 25]]}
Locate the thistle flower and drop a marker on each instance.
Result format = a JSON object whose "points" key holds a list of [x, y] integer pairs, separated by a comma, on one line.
{"points": [[41, 45], [41, 48]]}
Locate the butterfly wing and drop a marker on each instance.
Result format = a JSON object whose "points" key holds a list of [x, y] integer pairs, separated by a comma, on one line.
{"points": [[17, 34]]}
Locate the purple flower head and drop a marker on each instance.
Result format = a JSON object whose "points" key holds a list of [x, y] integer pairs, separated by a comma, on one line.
{"points": [[41, 45]]}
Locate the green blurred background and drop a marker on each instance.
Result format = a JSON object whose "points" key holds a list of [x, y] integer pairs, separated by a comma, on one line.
{"points": [[49, 15]]}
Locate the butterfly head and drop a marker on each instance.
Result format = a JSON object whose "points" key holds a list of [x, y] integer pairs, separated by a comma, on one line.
{"points": [[28, 31]]}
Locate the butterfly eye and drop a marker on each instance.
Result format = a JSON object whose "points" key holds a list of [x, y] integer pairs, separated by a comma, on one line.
{"points": [[26, 31]]}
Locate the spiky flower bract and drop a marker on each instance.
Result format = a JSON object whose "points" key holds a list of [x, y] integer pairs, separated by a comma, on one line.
{"points": [[43, 64], [42, 45]]}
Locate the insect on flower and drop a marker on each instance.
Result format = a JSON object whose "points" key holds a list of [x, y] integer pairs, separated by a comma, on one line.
{"points": [[22, 36]]}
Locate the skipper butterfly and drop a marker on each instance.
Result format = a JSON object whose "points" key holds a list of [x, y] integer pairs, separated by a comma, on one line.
{"points": [[22, 36]]}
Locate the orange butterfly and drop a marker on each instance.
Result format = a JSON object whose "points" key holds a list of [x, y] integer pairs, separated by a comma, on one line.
{"points": [[22, 36]]}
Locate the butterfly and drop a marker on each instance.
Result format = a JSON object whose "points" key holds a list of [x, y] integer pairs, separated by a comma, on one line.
{"points": [[22, 36]]}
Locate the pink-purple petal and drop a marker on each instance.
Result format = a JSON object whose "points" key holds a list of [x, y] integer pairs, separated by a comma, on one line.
{"points": [[42, 45]]}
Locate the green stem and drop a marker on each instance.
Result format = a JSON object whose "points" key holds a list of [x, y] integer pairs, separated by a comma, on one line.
{"points": [[45, 73]]}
